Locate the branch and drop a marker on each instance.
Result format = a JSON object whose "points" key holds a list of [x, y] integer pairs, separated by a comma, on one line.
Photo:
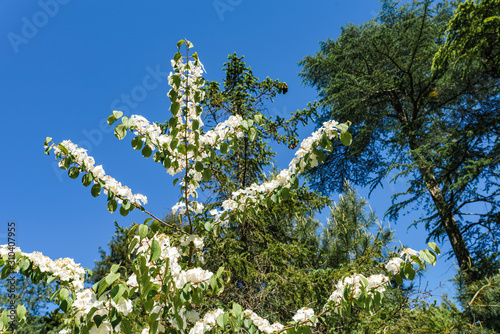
{"points": [[477, 293]]}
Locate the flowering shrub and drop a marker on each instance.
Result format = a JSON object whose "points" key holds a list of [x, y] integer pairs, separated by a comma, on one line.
{"points": [[168, 277]]}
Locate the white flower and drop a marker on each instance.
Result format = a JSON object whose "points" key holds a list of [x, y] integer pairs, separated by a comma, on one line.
{"points": [[193, 238], [394, 265], [407, 253], [263, 324], [304, 314], [377, 282], [124, 306]]}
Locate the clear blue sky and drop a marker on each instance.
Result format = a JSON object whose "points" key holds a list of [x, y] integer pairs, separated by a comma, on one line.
{"points": [[66, 64]]}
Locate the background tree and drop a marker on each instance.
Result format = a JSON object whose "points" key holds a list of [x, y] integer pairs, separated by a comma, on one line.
{"points": [[269, 254], [117, 254], [473, 38], [276, 260], [42, 316], [439, 130], [347, 239]]}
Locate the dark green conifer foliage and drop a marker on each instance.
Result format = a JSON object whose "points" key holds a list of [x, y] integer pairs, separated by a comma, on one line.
{"points": [[438, 130], [42, 316], [473, 39]]}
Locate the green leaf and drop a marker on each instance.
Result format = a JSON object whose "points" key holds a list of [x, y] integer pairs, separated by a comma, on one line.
{"points": [[146, 151], [21, 311], [208, 226], [224, 148], [111, 119], [237, 309], [63, 293], [48, 148], [87, 179], [323, 141], [252, 134], [199, 166], [172, 122], [174, 108], [73, 172], [167, 163], [117, 113], [98, 319], [410, 272], [111, 278], [155, 250], [428, 256], [257, 118], [196, 124], [112, 205], [342, 127], [120, 131], [207, 174], [346, 138], [126, 326], [127, 122], [285, 193], [181, 148], [275, 198], [143, 231], [220, 320], [434, 247], [132, 245], [137, 143], [173, 143], [96, 190], [179, 43]]}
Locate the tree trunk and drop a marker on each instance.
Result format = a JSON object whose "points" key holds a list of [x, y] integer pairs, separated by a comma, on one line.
{"points": [[445, 213]]}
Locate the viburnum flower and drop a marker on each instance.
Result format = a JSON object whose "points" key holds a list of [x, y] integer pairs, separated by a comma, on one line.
{"points": [[394, 265], [304, 314]]}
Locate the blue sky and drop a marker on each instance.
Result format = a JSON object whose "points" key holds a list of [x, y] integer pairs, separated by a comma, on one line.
{"points": [[66, 64]]}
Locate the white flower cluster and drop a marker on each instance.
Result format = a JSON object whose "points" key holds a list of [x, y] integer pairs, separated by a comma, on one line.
{"points": [[207, 323], [242, 198], [87, 163], [394, 264], [190, 86], [214, 137], [187, 316], [354, 284], [306, 146], [193, 206], [304, 314], [193, 238], [86, 300], [173, 254], [65, 270], [142, 126], [407, 254], [263, 324]]}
